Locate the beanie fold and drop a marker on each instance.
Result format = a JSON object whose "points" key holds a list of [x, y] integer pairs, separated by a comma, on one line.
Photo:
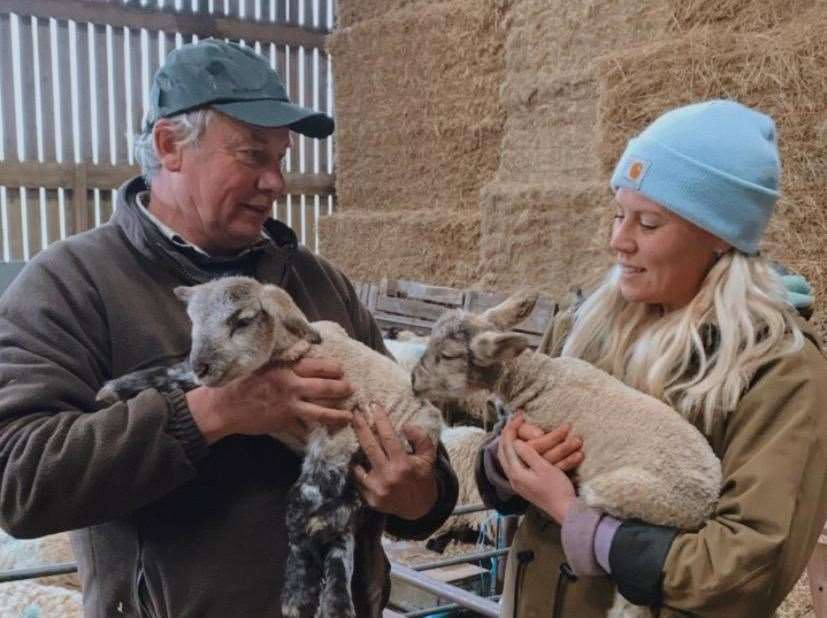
{"points": [[731, 208]]}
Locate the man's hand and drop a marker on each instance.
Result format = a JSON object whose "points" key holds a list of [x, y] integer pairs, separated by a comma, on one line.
{"points": [[398, 483], [531, 475], [275, 399]]}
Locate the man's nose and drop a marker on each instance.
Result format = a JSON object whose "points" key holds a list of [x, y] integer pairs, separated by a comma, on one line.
{"points": [[272, 181]]}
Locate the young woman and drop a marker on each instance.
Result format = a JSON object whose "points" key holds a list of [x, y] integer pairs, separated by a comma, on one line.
{"points": [[692, 314]]}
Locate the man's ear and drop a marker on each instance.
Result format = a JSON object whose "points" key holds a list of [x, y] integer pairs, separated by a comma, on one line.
{"points": [[167, 147], [183, 293], [491, 347]]}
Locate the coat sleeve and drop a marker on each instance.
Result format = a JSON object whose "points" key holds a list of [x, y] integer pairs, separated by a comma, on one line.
{"points": [[749, 555], [63, 463]]}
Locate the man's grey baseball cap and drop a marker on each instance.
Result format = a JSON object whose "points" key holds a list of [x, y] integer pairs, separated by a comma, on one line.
{"points": [[235, 81]]}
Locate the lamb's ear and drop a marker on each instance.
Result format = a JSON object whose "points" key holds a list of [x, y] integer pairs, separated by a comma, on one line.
{"points": [[183, 292], [301, 328], [491, 347], [512, 310]]}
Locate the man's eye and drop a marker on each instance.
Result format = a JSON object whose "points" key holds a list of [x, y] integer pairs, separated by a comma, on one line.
{"points": [[255, 156]]}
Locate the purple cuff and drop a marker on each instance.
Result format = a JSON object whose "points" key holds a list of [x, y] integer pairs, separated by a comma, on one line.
{"points": [[494, 472], [603, 540], [579, 527]]}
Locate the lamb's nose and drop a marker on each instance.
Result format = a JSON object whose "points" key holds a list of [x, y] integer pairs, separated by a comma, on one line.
{"points": [[201, 369]]}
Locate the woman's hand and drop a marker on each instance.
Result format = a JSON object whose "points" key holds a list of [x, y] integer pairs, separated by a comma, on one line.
{"points": [[531, 475], [559, 447]]}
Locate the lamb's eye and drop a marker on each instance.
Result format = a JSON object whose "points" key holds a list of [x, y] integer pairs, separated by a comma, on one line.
{"points": [[450, 355], [242, 322]]}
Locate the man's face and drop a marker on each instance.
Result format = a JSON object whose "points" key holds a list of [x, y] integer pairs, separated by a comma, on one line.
{"points": [[227, 184]]}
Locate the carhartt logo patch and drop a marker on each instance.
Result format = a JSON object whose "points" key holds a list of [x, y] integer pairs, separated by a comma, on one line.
{"points": [[636, 170]]}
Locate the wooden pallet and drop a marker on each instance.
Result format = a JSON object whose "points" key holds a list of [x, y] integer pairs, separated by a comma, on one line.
{"points": [[415, 306]]}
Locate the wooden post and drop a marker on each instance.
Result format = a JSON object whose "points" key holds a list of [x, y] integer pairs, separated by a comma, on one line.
{"points": [[817, 570], [80, 196]]}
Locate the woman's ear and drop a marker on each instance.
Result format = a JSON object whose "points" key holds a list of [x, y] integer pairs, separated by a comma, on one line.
{"points": [[167, 147]]}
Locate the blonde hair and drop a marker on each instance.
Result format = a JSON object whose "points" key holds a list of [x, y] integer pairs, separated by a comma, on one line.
{"points": [[698, 359]]}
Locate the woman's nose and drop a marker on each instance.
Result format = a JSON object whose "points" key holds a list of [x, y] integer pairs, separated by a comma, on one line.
{"points": [[621, 239]]}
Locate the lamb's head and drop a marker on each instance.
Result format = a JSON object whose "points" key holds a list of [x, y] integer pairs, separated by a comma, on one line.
{"points": [[466, 352], [238, 325]]}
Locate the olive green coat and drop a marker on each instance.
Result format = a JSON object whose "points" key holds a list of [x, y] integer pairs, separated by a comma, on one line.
{"points": [[773, 505]]}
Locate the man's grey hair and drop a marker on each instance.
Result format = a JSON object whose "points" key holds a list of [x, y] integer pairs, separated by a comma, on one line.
{"points": [[188, 128]]}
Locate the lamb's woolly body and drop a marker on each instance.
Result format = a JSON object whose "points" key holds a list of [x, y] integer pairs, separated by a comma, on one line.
{"points": [[462, 444], [664, 473], [375, 379]]}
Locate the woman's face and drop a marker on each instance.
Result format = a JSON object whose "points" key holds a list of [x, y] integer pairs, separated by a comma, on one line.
{"points": [[662, 257]]}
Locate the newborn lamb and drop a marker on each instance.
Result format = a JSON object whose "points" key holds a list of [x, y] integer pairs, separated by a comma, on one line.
{"points": [[644, 461], [238, 326]]}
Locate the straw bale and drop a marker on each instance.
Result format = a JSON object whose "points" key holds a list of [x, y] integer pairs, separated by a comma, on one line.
{"points": [[417, 97], [425, 245], [350, 12], [550, 91], [779, 71], [739, 15], [546, 236]]}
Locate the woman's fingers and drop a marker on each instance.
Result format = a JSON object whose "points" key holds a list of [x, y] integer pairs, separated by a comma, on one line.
{"points": [[561, 452], [571, 462], [551, 439]]}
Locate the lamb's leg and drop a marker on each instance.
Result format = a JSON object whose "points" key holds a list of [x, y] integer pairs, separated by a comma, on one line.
{"points": [[320, 506], [302, 575], [163, 379], [336, 599]]}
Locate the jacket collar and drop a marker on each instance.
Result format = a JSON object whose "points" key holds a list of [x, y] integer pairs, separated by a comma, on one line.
{"points": [[275, 253]]}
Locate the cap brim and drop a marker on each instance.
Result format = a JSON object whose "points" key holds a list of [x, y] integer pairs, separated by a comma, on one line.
{"points": [[273, 113]]}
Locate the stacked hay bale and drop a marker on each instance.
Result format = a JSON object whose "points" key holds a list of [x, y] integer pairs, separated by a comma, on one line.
{"points": [[420, 124], [543, 210], [779, 70]]}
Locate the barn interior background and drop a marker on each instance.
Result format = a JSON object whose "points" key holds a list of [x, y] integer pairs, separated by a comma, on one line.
{"points": [[474, 137]]}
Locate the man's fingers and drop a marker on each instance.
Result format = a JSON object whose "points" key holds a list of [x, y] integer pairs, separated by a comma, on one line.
{"points": [[315, 389], [366, 484], [551, 439], [319, 368], [310, 412], [388, 437], [367, 440], [420, 442]]}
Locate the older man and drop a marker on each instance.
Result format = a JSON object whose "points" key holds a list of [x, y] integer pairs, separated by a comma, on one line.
{"points": [[177, 500]]}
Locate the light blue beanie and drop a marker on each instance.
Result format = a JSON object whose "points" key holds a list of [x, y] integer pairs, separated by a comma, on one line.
{"points": [[715, 164]]}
